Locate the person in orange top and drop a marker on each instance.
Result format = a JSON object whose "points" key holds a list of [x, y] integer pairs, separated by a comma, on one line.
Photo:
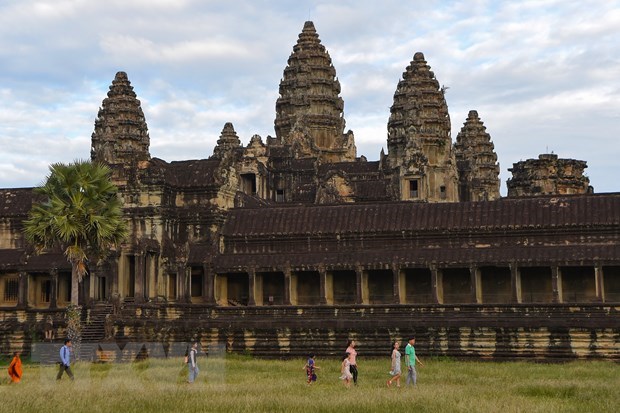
{"points": [[15, 368]]}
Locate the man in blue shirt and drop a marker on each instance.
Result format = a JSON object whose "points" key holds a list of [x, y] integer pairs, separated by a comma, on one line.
{"points": [[65, 360]]}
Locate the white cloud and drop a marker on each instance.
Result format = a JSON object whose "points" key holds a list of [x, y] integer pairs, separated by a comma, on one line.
{"points": [[540, 73]]}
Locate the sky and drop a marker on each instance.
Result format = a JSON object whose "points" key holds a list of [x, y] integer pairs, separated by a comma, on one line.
{"points": [[544, 75]]}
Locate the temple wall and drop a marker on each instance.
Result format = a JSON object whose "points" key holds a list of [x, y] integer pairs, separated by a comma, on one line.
{"points": [[465, 331], [528, 332]]}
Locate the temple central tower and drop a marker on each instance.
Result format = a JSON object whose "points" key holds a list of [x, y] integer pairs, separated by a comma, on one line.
{"points": [[121, 136], [419, 143], [309, 111]]}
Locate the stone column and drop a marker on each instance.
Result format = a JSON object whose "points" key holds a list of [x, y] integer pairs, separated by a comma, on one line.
{"points": [[221, 289], [396, 287], [139, 277], [22, 296], [361, 286], [515, 283], [252, 286], [208, 284], [322, 285], [114, 263], [288, 285], [182, 287], [54, 292], [599, 282], [436, 284], [476, 284], [556, 284]]}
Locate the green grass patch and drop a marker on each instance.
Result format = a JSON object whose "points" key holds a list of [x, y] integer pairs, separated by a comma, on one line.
{"points": [[246, 384]]}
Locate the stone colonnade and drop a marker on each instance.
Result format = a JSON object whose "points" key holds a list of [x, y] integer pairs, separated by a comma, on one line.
{"points": [[138, 277], [394, 284]]}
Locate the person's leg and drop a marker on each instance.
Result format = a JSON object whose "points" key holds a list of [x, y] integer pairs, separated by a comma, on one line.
{"points": [[414, 375], [69, 372], [409, 377], [191, 375], [61, 368], [353, 370]]}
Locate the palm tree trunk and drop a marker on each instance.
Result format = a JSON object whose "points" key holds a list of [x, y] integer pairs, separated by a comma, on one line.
{"points": [[75, 285]]}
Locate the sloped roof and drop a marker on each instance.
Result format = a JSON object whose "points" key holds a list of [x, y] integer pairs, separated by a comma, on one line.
{"points": [[524, 256], [371, 189], [350, 167], [507, 214], [193, 173], [17, 201], [10, 258]]}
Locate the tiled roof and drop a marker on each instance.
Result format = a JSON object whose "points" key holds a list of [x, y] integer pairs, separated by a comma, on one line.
{"points": [[194, 173], [14, 259], [15, 201], [350, 167], [506, 214], [371, 190], [44, 262], [10, 258], [412, 258]]}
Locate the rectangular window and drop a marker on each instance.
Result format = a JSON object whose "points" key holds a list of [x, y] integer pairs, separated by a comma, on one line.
{"points": [[172, 286], [46, 291], [442, 192], [248, 184], [196, 288], [279, 195], [11, 289], [413, 189]]}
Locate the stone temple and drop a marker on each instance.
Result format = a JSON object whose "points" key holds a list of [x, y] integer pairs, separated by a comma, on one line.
{"points": [[292, 243]]}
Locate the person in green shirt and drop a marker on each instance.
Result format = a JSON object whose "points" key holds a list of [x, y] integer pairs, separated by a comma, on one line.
{"points": [[410, 360]]}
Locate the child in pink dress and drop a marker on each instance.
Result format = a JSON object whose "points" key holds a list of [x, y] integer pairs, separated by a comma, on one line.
{"points": [[345, 369]]}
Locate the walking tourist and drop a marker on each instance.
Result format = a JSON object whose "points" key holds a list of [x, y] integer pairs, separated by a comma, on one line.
{"points": [[15, 368], [311, 368], [395, 370], [352, 359], [193, 363], [345, 370], [65, 360], [410, 360]]}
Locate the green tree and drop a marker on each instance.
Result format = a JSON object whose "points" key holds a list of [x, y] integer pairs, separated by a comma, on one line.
{"points": [[80, 212]]}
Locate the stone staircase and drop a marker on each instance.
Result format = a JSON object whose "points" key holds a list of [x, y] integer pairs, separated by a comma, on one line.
{"points": [[94, 326]]}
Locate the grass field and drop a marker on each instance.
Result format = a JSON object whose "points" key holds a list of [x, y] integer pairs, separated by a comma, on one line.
{"points": [[244, 384]]}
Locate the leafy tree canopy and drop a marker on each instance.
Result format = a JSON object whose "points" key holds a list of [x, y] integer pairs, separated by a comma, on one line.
{"points": [[79, 211]]}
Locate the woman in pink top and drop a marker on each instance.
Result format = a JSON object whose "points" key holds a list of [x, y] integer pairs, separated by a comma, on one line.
{"points": [[352, 359]]}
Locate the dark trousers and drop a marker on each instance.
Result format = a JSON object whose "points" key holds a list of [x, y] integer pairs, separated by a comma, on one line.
{"points": [[353, 370], [63, 368]]}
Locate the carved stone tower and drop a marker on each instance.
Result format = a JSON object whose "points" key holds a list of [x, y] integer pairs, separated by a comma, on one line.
{"points": [[227, 142], [419, 143], [121, 136], [548, 175], [309, 111], [476, 161]]}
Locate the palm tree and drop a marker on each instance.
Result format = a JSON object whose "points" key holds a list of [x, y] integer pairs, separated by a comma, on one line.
{"points": [[80, 212]]}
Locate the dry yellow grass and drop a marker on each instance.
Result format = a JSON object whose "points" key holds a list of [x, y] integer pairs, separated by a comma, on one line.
{"points": [[243, 384]]}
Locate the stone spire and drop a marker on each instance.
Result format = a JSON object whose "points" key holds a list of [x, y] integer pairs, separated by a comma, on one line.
{"points": [[419, 142], [548, 175], [227, 142], [309, 108], [476, 161], [121, 135]]}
